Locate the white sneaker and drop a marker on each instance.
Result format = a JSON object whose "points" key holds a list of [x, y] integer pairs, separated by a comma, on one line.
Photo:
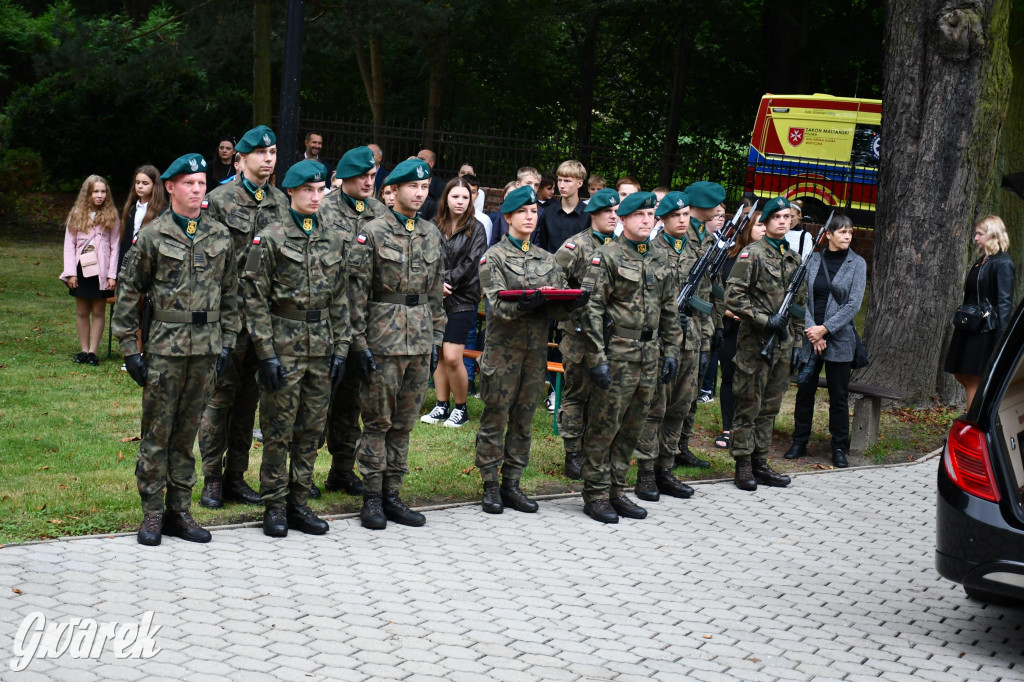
{"points": [[551, 402], [436, 415], [457, 419], [706, 397]]}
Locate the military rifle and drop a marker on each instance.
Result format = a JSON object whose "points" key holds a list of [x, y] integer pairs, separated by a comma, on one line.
{"points": [[768, 350]]}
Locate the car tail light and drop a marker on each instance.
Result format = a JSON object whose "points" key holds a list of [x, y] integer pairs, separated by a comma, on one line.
{"points": [[967, 461]]}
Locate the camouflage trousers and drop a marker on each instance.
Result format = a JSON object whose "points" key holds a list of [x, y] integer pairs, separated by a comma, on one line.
{"points": [[292, 419], [390, 405], [758, 388], [225, 432], [659, 441], [511, 386], [572, 415], [615, 419], [342, 435], [691, 413], [172, 402]]}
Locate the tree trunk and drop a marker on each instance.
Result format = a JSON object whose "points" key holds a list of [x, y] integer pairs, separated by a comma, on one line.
{"points": [[261, 100], [670, 148], [588, 81], [1010, 206], [946, 83]]}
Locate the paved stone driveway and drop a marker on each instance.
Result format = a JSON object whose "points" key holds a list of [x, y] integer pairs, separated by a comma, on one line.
{"points": [[830, 579]]}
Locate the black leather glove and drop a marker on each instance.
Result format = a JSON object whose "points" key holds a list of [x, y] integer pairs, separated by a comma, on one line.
{"points": [[530, 301], [366, 365], [716, 339], [136, 367], [601, 376], [435, 353], [581, 301], [222, 361], [778, 323], [337, 371], [669, 367], [270, 374]]}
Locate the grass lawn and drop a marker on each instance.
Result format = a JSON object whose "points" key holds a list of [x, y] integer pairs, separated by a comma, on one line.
{"points": [[68, 433]]}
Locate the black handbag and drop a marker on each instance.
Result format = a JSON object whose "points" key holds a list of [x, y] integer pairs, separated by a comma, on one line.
{"points": [[975, 317], [861, 357]]}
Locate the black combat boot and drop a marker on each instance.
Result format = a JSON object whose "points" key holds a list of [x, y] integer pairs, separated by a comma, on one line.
{"points": [[685, 458], [669, 485], [314, 491], [149, 531], [624, 506], [492, 499], [371, 515], [744, 478], [600, 510], [343, 481], [237, 490], [275, 523], [796, 451], [765, 475], [180, 524], [646, 487], [213, 493], [514, 498], [301, 517], [397, 511], [839, 460], [573, 464]]}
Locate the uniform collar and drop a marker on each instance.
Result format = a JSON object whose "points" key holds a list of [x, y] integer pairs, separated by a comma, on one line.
{"points": [[642, 248], [779, 245], [189, 226], [303, 221], [601, 237], [257, 192], [520, 244], [698, 229], [408, 224], [357, 205], [675, 244]]}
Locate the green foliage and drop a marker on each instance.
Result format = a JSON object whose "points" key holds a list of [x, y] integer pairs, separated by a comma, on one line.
{"points": [[21, 170]]}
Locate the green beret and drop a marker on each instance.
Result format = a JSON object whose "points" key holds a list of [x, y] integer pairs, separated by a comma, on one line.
{"points": [[260, 136], [412, 170], [307, 170], [602, 199], [774, 206], [705, 194], [517, 198], [636, 201], [355, 162], [188, 164], [673, 201]]}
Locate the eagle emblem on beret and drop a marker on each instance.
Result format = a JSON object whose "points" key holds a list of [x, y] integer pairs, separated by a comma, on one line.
{"points": [[193, 164], [266, 139], [419, 172]]}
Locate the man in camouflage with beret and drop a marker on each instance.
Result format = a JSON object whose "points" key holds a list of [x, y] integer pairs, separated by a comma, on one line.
{"points": [[398, 324], [657, 448], [183, 262], [754, 293], [295, 285], [246, 206], [574, 258], [346, 210], [632, 342]]}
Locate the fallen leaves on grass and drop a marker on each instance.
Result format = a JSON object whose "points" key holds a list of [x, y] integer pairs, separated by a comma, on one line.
{"points": [[41, 508], [43, 468], [130, 439], [820, 466], [467, 471]]}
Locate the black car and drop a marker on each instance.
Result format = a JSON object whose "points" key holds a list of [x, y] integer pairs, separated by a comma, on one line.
{"points": [[979, 538]]}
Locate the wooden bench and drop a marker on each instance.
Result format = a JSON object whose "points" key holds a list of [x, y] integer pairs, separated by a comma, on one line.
{"points": [[555, 367], [867, 412]]}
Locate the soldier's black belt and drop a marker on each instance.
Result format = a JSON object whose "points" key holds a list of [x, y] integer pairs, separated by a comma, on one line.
{"points": [[187, 316], [401, 299], [299, 315], [634, 334]]}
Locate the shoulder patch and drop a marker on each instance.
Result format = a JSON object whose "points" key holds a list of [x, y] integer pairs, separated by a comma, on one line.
{"points": [[570, 246], [483, 260], [596, 260], [205, 204], [361, 239], [744, 255], [256, 240], [135, 239]]}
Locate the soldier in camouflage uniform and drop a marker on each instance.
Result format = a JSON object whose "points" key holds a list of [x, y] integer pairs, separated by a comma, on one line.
{"points": [[346, 210], [514, 361], [183, 262], [632, 326], [246, 206], [574, 257], [756, 287], [295, 285], [704, 197], [397, 328], [656, 449]]}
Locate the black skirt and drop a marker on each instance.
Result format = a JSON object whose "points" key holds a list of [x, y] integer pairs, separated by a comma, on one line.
{"points": [[89, 287], [969, 352]]}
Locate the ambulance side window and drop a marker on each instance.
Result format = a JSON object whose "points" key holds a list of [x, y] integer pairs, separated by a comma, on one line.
{"points": [[866, 145]]}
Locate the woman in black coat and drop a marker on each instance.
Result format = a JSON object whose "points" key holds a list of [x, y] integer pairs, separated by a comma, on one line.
{"points": [[989, 284]]}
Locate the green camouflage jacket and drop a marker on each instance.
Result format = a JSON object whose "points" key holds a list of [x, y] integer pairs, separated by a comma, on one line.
{"points": [[574, 258], [756, 287], [701, 324], [680, 265]]}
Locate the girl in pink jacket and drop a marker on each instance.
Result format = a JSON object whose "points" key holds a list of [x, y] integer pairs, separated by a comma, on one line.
{"points": [[91, 244]]}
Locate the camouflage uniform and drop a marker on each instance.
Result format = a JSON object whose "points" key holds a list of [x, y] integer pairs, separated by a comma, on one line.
{"points": [[574, 258], [659, 441], [701, 325], [295, 288], [192, 286], [227, 421], [514, 361], [397, 312], [756, 287], [634, 293], [343, 420]]}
